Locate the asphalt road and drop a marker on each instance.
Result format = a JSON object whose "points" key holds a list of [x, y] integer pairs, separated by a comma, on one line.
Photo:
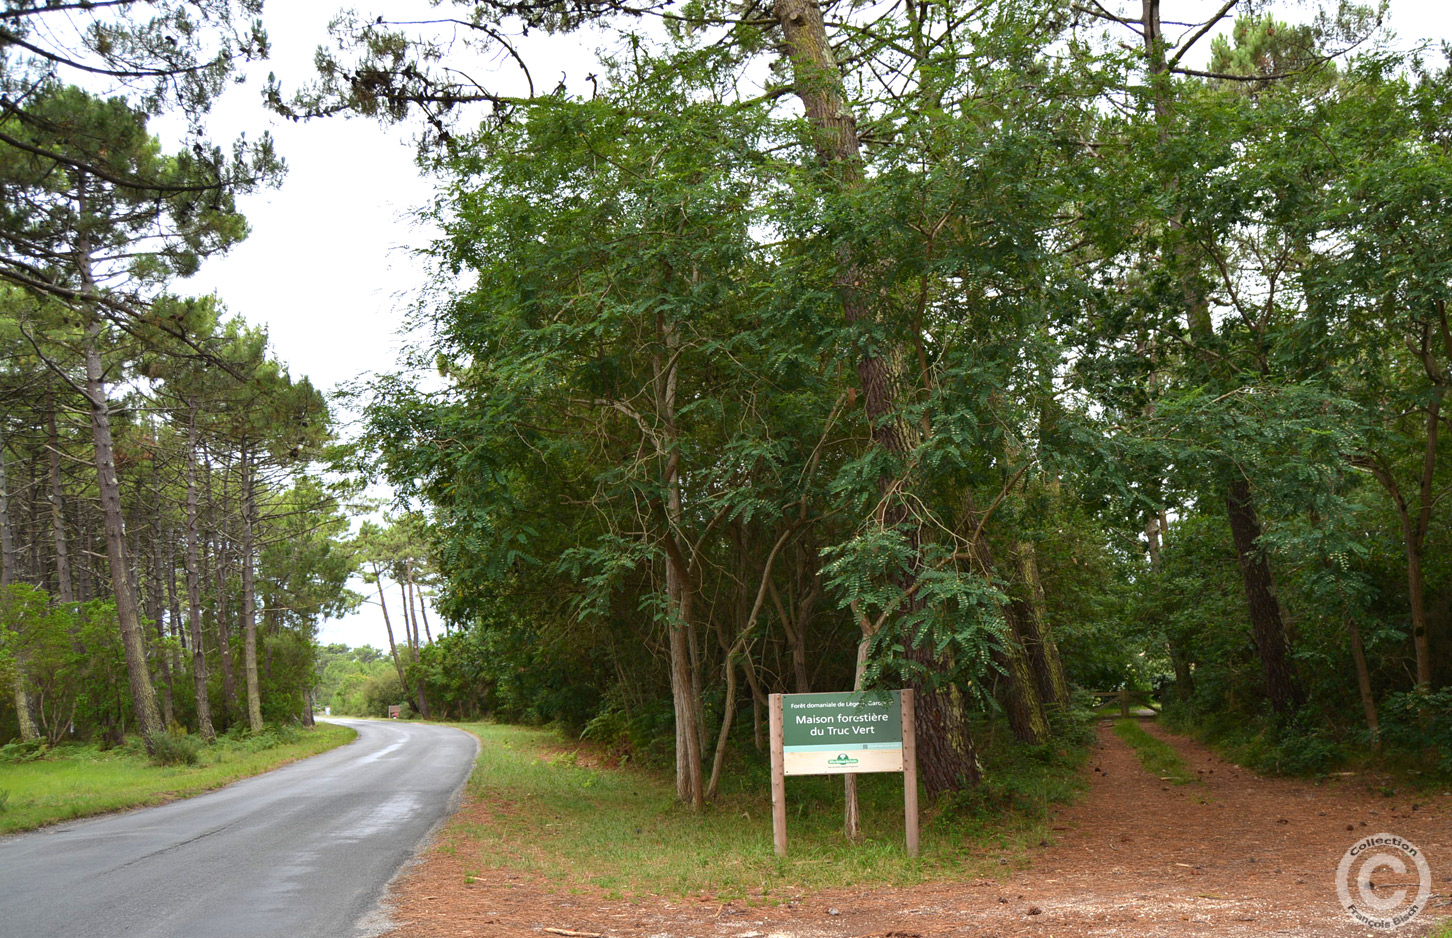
{"points": [[302, 852]]}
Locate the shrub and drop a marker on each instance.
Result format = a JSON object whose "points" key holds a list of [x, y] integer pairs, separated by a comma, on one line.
{"points": [[170, 749], [379, 691], [1420, 722]]}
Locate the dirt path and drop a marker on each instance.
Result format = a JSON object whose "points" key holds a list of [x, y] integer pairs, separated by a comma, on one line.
{"points": [[1235, 856]]}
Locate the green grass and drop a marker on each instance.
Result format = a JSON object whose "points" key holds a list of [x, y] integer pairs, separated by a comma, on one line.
{"points": [[621, 830], [75, 781], [1157, 756], [1442, 929]]}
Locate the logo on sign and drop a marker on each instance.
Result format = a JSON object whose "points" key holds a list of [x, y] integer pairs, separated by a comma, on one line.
{"points": [[842, 759]]}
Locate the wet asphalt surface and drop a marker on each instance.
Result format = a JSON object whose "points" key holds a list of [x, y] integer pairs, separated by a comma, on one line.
{"points": [[302, 852]]}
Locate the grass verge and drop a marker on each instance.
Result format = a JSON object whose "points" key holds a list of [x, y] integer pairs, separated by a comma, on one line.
{"points": [[1157, 756], [79, 781], [548, 811]]}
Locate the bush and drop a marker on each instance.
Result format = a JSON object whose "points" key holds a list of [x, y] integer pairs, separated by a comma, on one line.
{"points": [[1289, 745], [1420, 723], [379, 691], [172, 749]]}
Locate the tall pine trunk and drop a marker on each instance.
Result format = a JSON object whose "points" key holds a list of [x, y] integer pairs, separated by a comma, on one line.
{"points": [[64, 589], [21, 695], [388, 625], [410, 629], [1043, 650], [133, 639], [194, 584], [249, 595], [218, 558]]}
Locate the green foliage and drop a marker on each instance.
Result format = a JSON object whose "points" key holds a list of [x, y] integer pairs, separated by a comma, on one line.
{"points": [[1021, 782], [1421, 723], [1305, 744], [704, 380], [23, 751], [175, 749], [378, 693]]}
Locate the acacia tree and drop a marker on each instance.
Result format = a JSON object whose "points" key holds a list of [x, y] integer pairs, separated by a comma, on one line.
{"points": [[1384, 282], [1206, 262], [941, 595]]}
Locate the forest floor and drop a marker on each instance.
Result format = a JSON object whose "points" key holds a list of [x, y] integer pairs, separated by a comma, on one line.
{"points": [[1233, 855]]}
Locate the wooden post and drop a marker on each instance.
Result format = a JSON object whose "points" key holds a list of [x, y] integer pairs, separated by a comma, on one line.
{"points": [[1124, 701], [778, 777], [910, 770]]}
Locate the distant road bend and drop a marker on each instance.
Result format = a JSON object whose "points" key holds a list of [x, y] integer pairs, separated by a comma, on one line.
{"points": [[302, 852]]}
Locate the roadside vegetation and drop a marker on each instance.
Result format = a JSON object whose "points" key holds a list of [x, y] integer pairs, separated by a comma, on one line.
{"points": [[40, 786], [568, 812]]}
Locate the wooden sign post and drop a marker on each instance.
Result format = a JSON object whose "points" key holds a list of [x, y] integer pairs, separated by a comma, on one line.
{"points": [[843, 734]]}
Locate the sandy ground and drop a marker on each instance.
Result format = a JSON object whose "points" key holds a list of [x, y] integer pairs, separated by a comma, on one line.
{"points": [[1234, 856]]}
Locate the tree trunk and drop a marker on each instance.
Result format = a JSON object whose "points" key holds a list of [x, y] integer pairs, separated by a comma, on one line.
{"points": [[689, 782], [85, 590], [945, 752], [1018, 691], [1038, 636], [1363, 683], [796, 635], [143, 697], [1184, 676], [28, 730], [155, 596], [64, 589], [222, 609], [743, 637], [194, 585], [410, 628], [249, 597], [852, 809], [133, 639], [690, 786], [1414, 537], [388, 625], [423, 609], [1265, 613], [1267, 624]]}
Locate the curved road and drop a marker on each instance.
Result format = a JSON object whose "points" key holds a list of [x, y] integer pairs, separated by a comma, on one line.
{"points": [[302, 852]]}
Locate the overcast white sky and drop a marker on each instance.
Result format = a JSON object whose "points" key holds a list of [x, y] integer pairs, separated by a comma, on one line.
{"points": [[327, 269]]}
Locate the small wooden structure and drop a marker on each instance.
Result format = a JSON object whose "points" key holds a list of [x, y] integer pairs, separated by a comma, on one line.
{"points": [[1126, 697], [395, 711]]}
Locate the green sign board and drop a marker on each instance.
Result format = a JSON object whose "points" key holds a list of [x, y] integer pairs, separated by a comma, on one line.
{"points": [[828, 734]]}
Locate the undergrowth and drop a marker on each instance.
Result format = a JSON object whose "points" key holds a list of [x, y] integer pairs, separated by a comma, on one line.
{"points": [[1416, 739]]}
